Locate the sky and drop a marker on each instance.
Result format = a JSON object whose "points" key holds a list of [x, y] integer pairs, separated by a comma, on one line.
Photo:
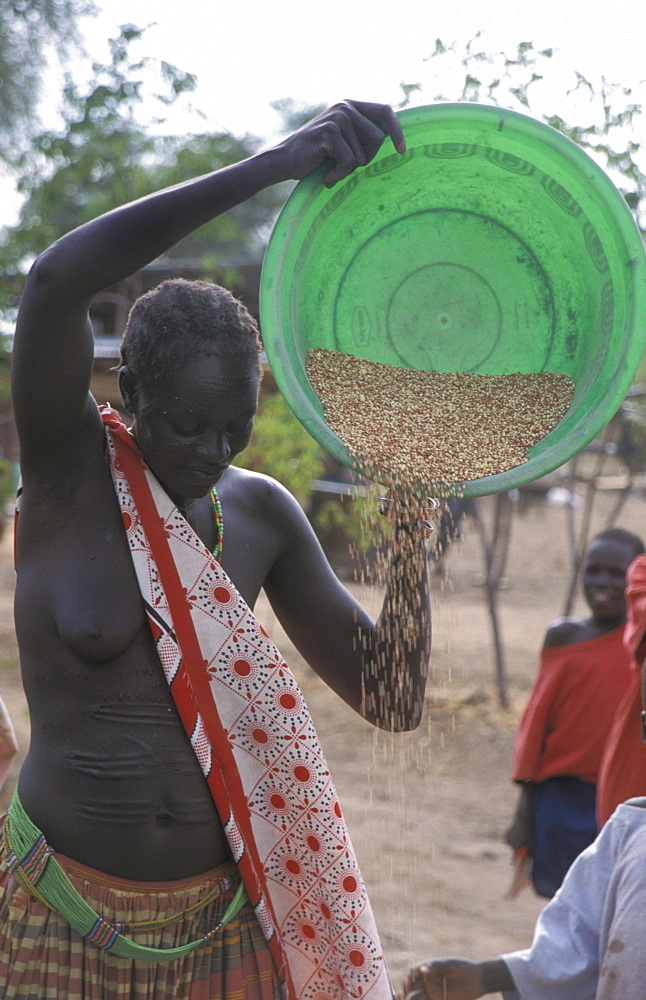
{"points": [[248, 53]]}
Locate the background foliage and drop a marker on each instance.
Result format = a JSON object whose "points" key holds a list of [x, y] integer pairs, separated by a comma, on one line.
{"points": [[32, 32]]}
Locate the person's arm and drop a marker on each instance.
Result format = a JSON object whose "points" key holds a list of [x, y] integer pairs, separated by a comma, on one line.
{"points": [[53, 350], [563, 961], [537, 719], [519, 835], [378, 668], [457, 979]]}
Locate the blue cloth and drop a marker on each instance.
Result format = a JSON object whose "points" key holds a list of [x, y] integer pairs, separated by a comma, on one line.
{"points": [[565, 824]]}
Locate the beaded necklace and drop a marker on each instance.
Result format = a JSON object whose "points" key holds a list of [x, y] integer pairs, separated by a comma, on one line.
{"points": [[219, 525]]}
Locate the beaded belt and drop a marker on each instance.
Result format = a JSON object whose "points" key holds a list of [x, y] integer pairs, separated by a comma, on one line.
{"points": [[31, 861]]}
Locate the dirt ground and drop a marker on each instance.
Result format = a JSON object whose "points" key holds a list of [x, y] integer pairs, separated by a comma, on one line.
{"points": [[427, 810]]}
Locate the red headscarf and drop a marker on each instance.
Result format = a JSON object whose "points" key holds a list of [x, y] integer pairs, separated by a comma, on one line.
{"points": [[635, 631]]}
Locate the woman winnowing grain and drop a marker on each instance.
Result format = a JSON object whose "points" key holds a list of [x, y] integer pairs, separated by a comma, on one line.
{"points": [[171, 751]]}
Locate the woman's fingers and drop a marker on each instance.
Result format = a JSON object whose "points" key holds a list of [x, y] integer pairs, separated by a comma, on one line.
{"points": [[349, 134], [362, 128], [386, 121]]}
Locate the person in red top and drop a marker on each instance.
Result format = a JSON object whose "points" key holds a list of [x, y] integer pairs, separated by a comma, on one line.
{"points": [[584, 674], [622, 774]]}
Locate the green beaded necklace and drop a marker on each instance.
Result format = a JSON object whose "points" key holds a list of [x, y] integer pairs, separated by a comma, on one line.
{"points": [[219, 524]]}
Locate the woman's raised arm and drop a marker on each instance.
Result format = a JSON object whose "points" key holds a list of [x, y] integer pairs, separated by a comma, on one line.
{"points": [[53, 348]]}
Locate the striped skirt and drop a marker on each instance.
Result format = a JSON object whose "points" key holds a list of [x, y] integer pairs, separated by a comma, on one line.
{"points": [[42, 958]]}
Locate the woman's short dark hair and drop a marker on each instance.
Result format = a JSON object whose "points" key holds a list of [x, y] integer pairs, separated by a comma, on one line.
{"points": [[181, 318], [623, 536]]}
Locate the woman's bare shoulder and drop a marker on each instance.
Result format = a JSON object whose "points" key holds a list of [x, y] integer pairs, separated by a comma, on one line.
{"points": [[247, 488]]}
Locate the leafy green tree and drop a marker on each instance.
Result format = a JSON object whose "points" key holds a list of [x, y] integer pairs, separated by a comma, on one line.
{"points": [[101, 157], [30, 31]]}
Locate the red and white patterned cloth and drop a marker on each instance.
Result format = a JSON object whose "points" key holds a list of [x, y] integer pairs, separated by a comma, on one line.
{"points": [[253, 736]]}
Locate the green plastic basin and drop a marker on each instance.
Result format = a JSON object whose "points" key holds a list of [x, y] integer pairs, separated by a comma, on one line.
{"points": [[494, 245]]}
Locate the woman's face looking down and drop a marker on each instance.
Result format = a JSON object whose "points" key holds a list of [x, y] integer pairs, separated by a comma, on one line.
{"points": [[193, 421]]}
